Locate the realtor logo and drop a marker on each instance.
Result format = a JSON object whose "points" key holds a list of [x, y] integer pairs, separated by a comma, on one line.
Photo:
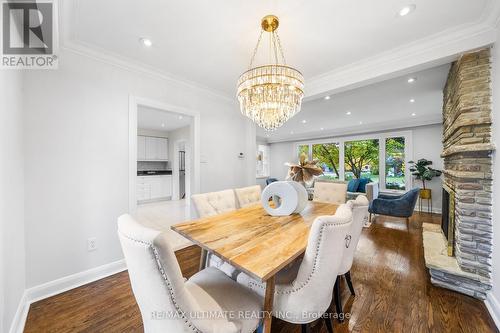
{"points": [[28, 36]]}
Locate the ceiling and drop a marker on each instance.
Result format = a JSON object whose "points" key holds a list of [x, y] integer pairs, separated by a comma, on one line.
{"points": [[374, 107], [159, 120], [210, 42]]}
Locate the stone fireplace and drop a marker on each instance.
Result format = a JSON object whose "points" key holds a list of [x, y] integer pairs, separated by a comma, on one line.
{"points": [[461, 259]]}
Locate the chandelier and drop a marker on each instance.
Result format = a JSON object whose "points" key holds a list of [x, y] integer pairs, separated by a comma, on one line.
{"points": [[270, 94]]}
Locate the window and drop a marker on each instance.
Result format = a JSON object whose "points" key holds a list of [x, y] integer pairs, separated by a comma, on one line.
{"points": [[362, 159], [327, 155], [380, 157], [303, 149], [263, 161], [395, 163]]}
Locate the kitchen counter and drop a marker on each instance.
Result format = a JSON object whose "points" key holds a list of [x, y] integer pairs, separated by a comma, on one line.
{"points": [[154, 173]]}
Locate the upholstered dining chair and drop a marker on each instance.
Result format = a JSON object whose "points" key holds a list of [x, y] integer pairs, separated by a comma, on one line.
{"points": [[303, 291], [248, 195], [359, 217], [210, 204], [213, 203], [167, 302], [335, 193]]}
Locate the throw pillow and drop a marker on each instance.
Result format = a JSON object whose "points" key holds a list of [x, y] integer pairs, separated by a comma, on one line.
{"points": [[362, 184], [352, 186]]}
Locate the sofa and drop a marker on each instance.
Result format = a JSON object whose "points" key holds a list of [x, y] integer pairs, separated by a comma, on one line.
{"points": [[371, 189]]}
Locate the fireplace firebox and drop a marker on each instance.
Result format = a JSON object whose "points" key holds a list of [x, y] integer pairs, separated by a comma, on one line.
{"points": [[448, 218]]}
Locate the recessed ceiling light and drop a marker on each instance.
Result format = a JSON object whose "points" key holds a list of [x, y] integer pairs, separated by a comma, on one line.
{"points": [[291, 132], [412, 79], [407, 10], [321, 128], [413, 114], [162, 124], [304, 121], [348, 113], [146, 42], [180, 117], [361, 123], [327, 97], [412, 100]]}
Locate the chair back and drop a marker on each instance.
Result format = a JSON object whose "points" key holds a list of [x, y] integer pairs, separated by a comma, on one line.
{"points": [[213, 203], [248, 195], [311, 291], [155, 277], [359, 216], [411, 197], [330, 192]]}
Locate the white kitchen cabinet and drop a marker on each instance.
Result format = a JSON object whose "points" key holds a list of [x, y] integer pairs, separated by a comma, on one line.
{"points": [[154, 187], [141, 148], [155, 149]]}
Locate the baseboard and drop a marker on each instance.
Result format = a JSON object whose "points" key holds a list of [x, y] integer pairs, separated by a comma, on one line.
{"points": [[17, 325], [61, 285], [434, 210], [493, 307]]}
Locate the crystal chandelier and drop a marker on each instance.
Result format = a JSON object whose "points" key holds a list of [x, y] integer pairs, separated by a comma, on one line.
{"points": [[270, 94]]}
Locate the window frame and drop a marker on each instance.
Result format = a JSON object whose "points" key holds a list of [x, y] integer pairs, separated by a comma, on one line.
{"points": [[381, 136]]}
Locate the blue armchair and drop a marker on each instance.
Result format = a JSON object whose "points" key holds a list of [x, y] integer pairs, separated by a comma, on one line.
{"points": [[399, 206]]}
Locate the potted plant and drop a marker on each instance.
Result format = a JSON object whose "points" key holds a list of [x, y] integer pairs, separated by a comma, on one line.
{"points": [[422, 171]]}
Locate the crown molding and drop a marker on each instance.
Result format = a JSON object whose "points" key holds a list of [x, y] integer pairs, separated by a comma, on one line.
{"points": [[69, 42], [434, 50]]}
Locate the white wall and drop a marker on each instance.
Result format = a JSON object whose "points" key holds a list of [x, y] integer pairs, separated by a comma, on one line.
{"points": [[12, 239], [76, 133], [493, 301], [427, 144]]}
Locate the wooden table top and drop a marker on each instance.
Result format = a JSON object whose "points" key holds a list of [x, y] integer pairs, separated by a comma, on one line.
{"points": [[252, 240]]}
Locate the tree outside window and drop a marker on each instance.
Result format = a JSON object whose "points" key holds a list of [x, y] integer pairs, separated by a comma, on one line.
{"points": [[361, 159], [327, 155], [303, 149], [395, 163]]}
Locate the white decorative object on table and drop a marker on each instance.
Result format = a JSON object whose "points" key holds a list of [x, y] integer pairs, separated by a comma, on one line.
{"points": [[292, 198]]}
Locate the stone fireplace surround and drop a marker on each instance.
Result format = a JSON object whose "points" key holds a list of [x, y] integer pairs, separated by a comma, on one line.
{"points": [[467, 150]]}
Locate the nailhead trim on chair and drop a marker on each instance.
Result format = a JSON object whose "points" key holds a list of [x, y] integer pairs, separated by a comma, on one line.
{"points": [[304, 284], [167, 282]]}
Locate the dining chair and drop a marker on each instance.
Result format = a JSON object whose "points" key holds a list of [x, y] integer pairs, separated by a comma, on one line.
{"points": [[330, 192], [210, 204], [213, 203], [248, 195], [359, 217], [303, 291], [167, 302]]}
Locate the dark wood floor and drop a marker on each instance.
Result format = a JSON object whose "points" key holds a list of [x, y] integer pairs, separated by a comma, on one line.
{"points": [[393, 293]]}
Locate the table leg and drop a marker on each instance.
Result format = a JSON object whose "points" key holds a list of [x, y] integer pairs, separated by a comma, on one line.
{"points": [[268, 305], [203, 259]]}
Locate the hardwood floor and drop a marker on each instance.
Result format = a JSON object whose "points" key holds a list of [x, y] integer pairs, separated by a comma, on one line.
{"points": [[393, 293]]}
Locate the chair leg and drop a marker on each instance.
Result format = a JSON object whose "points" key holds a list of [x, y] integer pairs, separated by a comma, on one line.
{"points": [[338, 300], [349, 282], [305, 328], [328, 323]]}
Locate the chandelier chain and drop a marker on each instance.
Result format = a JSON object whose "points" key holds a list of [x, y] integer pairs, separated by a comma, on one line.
{"points": [[281, 49], [255, 49]]}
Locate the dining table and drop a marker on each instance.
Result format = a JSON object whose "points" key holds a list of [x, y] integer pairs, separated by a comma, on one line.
{"points": [[255, 242]]}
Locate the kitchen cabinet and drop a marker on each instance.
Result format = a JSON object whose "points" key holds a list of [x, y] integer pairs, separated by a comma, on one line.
{"points": [[154, 187], [152, 148]]}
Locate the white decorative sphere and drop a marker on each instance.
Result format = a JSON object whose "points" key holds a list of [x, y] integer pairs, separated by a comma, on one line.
{"points": [[289, 197]]}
